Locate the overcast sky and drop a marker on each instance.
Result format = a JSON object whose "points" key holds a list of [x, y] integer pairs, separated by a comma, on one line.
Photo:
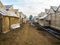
{"points": [[32, 7]]}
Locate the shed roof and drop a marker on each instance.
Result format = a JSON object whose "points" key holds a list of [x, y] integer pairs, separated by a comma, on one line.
{"points": [[5, 13], [8, 6], [54, 8]]}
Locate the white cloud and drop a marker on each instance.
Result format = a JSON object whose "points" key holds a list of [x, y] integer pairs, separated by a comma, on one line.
{"points": [[34, 1], [36, 6]]}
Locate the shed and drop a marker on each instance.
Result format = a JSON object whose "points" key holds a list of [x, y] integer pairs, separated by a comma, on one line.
{"points": [[14, 18], [4, 21]]}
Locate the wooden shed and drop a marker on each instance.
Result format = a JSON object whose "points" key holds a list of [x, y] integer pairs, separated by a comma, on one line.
{"points": [[8, 18], [4, 19], [14, 18]]}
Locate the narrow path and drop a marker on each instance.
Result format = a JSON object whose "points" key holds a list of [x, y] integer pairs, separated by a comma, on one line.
{"points": [[28, 35]]}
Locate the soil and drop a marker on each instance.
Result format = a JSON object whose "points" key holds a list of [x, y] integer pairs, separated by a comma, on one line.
{"points": [[28, 35]]}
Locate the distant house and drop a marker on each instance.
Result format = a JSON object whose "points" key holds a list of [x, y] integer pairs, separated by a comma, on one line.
{"points": [[35, 19], [23, 18], [39, 15], [43, 15], [16, 12], [14, 18]]}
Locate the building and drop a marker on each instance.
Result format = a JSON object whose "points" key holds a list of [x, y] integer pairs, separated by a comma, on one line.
{"points": [[23, 18], [57, 19], [35, 18], [47, 19], [53, 11], [9, 18], [4, 19], [41, 18], [14, 18]]}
